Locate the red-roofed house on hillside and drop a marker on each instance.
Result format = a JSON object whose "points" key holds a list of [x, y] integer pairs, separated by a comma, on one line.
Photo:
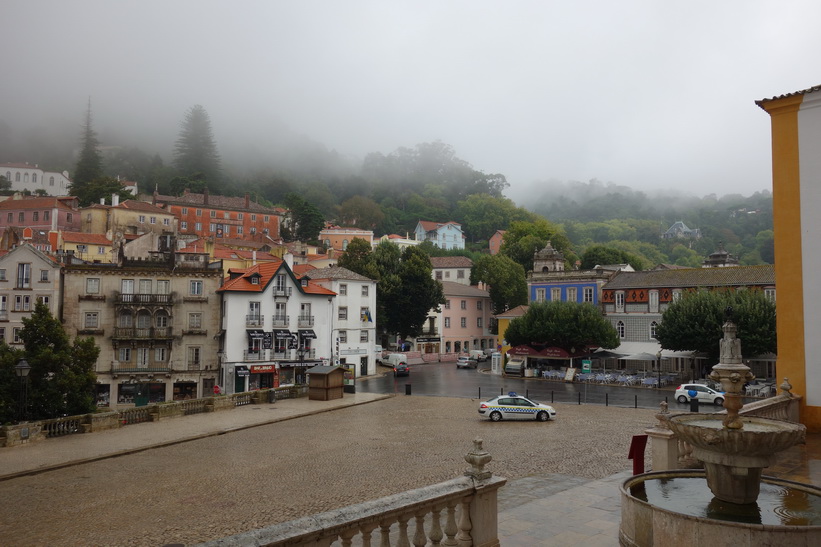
{"points": [[451, 268], [275, 325], [495, 242], [129, 217], [221, 216], [40, 213], [89, 247]]}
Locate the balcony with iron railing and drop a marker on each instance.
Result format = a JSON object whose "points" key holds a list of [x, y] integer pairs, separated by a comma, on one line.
{"points": [[305, 321], [144, 299], [280, 321], [282, 291], [120, 367], [142, 333], [255, 355], [254, 320]]}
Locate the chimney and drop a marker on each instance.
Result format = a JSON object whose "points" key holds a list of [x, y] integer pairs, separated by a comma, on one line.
{"points": [[253, 253], [102, 201], [247, 201], [115, 200], [205, 196], [289, 260]]}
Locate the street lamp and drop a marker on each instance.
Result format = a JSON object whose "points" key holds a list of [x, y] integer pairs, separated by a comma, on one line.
{"points": [[22, 370], [658, 369]]}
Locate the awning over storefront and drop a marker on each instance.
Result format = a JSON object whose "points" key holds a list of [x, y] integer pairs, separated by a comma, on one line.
{"points": [[241, 370], [306, 334], [282, 334], [256, 334]]}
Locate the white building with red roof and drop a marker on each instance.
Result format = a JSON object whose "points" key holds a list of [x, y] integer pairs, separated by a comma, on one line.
{"points": [[445, 235], [275, 326]]}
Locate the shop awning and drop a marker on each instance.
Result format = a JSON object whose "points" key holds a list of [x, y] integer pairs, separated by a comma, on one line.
{"points": [[282, 334], [256, 334], [241, 370], [306, 334]]}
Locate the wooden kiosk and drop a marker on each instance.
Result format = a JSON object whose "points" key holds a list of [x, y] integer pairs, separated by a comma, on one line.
{"points": [[325, 383]]}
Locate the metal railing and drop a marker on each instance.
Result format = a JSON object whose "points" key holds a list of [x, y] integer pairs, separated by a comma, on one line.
{"points": [[253, 320], [305, 321], [282, 291], [142, 298], [280, 320], [143, 332]]}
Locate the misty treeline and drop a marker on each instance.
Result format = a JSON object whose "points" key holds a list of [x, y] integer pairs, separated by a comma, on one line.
{"points": [[390, 193]]}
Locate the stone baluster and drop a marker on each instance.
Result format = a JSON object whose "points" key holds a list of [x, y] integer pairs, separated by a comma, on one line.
{"points": [[450, 525], [403, 531], [436, 534], [367, 531], [419, 538], [463, 537], [385, 530], [347, 537]]}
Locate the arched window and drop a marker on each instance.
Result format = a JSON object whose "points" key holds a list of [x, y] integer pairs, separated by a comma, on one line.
{"points": [[125, 319], [143, 319], [34, 177], [161, 320], [653, 327], [17, 177], [25, 177], [51, 181], [344, 244], [8, 176], [620, 328]]}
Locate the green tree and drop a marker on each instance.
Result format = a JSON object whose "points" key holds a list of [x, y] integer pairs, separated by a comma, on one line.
{"points": [[102, 187], [359, 258], [90, 163], [600, 255], [62, 376], [5, 185], [307, 220], [482, 214], [195, 150], [693, 323], [407, 296], [508, 285], [361, 212], [565, 325]]}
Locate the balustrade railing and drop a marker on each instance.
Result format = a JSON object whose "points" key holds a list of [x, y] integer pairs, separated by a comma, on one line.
{"points": [[140, 298], [461, 511], [59, 427], [143, 332]]}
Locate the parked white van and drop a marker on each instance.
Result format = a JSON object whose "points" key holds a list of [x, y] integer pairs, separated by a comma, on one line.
{"points": [[395, 358], [478, 354]]}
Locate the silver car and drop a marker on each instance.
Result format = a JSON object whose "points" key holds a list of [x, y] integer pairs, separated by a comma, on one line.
{"points": [[515, 407]]}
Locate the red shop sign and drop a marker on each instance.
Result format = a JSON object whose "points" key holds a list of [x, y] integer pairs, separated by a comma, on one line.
{"points": [[256, 369]]}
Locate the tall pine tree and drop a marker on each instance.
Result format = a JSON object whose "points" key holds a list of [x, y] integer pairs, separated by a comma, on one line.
{"points": [[195, 151], [90, 163]]}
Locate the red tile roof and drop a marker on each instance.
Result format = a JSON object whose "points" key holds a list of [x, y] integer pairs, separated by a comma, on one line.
{"points": [[428, 225], [266, 272], [90, 239], [35, 203], [142, 206]]}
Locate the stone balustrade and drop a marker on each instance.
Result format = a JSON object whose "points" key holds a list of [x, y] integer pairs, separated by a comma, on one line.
{"points": [[13, 435], [460, 511]]}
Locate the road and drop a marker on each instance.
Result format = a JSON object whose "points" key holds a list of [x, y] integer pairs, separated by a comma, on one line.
{"points": [[444, 379]]}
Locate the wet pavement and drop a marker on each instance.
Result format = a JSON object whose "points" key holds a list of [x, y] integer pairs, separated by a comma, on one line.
{"points": [[573, 500]]}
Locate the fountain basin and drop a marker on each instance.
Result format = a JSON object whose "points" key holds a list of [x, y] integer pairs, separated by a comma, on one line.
{"points": [[653, 521]]}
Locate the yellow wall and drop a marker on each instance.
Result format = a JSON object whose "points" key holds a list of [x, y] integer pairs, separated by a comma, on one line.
{"points": [[792, 359]]}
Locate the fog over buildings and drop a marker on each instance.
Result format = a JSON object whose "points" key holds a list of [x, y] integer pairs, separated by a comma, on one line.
{"points": [[642, 93]]}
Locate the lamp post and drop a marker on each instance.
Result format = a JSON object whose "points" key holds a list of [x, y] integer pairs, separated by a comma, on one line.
{"points": [[22, 370], [658, 369]]}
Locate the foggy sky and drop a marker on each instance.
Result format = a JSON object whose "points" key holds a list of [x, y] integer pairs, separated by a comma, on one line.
{"points": [[648, 94]]}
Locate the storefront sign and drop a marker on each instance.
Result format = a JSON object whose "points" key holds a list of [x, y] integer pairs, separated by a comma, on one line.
{"points": [[267, 340], [241, 370], [260, 369], [428, 340]]}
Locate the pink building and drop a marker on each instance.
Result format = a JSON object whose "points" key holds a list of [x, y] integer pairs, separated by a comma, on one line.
{"points": [[495, 242], [465, 318]]}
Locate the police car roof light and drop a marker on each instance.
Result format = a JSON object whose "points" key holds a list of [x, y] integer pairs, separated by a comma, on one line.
{"points": [[511, 394]]}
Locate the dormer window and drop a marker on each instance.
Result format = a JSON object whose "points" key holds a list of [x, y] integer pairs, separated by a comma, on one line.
{"points": [[254, 280], [304, 282]]}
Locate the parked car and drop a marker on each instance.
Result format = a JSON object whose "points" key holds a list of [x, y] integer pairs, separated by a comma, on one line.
{"points": [[478, 354], [515, 407], [704, 394], [401, 369], [466, 362]]}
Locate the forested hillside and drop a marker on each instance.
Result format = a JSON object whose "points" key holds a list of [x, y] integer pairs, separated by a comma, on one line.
{"points": [[390, 193]]}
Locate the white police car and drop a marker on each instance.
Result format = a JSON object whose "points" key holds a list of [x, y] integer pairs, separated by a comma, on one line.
{"points": [[515, 407]]}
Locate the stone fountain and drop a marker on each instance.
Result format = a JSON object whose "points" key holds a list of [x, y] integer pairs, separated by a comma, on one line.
{"points": [[734, 449]]}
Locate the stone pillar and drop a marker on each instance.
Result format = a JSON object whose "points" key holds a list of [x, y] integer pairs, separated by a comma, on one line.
{"points": [[664, 448], [482, 524]]}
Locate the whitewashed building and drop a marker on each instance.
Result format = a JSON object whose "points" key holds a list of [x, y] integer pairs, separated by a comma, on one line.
{"points": [[30, 177], [275, 326], [354, 317]]}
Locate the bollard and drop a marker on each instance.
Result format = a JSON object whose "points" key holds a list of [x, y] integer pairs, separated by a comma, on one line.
{"points": [[527, 393], [551, 396], [501, 391], [636, 401], [694, 404], [606, 399], [580, 397], [480, 392], [407, 389]]}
